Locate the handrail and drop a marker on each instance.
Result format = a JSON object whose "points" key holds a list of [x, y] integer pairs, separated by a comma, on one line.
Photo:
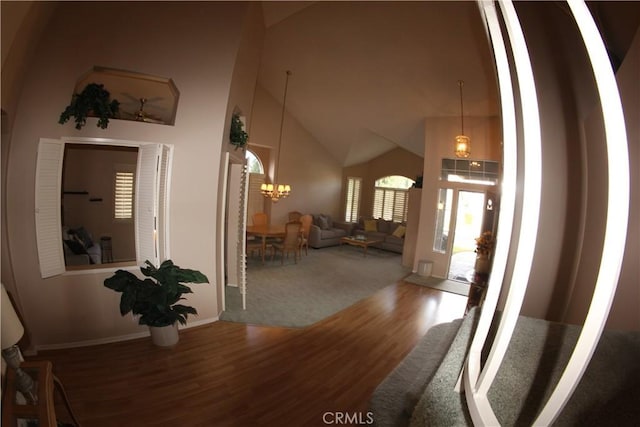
{"points": [[477, 382], [532, 176], [617, 214], [478, 404]]}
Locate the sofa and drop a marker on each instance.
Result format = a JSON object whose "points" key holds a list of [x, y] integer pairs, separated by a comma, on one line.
{"points": [[79, 248], [325, 231], [391, 233]]}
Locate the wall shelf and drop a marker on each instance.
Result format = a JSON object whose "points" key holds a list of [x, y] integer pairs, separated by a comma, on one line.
{"points": [[143, 97]]}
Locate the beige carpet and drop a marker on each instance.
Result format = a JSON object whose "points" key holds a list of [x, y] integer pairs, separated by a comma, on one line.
{"points": [[320, 284], [460, 288]]}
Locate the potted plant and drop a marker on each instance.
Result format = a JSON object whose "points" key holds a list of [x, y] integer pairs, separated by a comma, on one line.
{"points": [[237, 135], [484, 246], [155, 299], [94, 100]]}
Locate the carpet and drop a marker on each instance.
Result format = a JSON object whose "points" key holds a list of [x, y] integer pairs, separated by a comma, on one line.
{"points": [[445, 285], [319, 285]]}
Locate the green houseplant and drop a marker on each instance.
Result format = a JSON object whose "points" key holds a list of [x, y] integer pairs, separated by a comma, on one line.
{"points": [[94, 100], [237, 135], [155, 298]]}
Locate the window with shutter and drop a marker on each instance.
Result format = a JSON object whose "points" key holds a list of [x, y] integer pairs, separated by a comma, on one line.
{"points": [[148, 202], [390, 198], [123, 206], [352, 204], [257, 177]]}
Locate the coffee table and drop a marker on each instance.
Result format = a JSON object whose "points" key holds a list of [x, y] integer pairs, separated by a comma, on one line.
{"points": [[363, 243]]}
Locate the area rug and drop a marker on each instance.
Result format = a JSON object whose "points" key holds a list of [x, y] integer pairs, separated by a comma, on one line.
{"points": [[445, 285], [322, 283]]}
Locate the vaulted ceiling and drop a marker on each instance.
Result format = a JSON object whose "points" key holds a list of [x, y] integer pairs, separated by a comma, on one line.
{"points": [[366, 74]]}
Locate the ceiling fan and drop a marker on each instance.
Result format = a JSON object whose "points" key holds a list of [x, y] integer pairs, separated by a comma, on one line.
{"points": [[141, 115]]}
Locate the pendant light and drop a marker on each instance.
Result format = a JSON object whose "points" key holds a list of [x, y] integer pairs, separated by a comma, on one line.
{"points": [[462, 142], [277, 191]]}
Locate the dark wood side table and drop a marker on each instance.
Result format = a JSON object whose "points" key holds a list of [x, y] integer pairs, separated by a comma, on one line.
{"points": [[44, 409]]}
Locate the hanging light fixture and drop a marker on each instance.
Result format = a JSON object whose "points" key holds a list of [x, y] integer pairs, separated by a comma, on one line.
{"points": [[277, 191], [463, 142]]}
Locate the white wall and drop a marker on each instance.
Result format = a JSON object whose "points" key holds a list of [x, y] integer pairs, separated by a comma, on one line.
{"points": [[241, 95], [574, 183], [193, 43], [625, 311], [439, 136], [314, 175], [397, 161]]}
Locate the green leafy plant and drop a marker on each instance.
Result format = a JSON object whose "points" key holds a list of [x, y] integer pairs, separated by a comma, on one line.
{"points": [[156, 298], [237, 135], [94, 100]]}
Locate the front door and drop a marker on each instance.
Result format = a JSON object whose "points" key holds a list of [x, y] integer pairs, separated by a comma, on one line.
{"points": [[468, 224]]}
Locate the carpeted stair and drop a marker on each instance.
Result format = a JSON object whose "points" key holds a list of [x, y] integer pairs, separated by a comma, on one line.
{"points": [[607, 395]]}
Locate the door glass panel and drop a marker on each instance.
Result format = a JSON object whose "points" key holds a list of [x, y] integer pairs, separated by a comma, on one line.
{"points": [[443, 219], [469, 216]]}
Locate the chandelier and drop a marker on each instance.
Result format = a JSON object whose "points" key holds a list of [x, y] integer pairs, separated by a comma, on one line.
{"points": [[462, 142], [277, 191]]}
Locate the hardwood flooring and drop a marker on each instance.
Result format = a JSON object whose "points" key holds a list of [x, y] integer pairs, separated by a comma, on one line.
{"points": [[231, 374]]}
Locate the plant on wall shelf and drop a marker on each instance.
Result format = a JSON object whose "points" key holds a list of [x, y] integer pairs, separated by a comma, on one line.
{"points": [[237, 135], [95, 101]]}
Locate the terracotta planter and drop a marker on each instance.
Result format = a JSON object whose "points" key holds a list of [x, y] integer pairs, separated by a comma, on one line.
{"points": [[164, 336]]}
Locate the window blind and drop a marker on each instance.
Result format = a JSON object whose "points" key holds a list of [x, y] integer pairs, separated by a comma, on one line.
{"points": [[123, 206]]}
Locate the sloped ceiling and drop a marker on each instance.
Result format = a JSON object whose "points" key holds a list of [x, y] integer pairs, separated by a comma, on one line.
{"points": [[366, 74]]}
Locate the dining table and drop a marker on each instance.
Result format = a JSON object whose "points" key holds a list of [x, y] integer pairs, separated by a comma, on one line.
{"points": [[264, 231]]}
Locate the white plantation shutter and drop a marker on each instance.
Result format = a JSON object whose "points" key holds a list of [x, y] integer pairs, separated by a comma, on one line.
{"points": [[390, 204], [387, 207], [47, 207], [147, 189], [353, 199], [163, 204], [400, 206], [255, 199]]}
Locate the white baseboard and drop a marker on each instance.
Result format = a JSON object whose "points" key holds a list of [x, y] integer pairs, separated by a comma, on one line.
{"points": [[109, 340]]}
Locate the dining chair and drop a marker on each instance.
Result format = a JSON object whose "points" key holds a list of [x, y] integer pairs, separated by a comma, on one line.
{"points": [[290, 242], [254, 245], [306, 221], [295, 216], [259, 218]]}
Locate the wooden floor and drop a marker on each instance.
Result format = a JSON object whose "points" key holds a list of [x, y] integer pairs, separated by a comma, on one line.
{"points": [[231, 374]]}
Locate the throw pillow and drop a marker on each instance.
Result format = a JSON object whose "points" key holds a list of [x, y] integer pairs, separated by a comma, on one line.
{"points": [[323, 223], [399, 231], [370, 225], [384, 226], [84, 236], [329, 221], [76, 247]]}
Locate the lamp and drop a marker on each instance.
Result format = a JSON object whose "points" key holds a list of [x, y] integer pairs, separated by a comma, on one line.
{"points": [[12, 331], [277, 191], [462, 142]]}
